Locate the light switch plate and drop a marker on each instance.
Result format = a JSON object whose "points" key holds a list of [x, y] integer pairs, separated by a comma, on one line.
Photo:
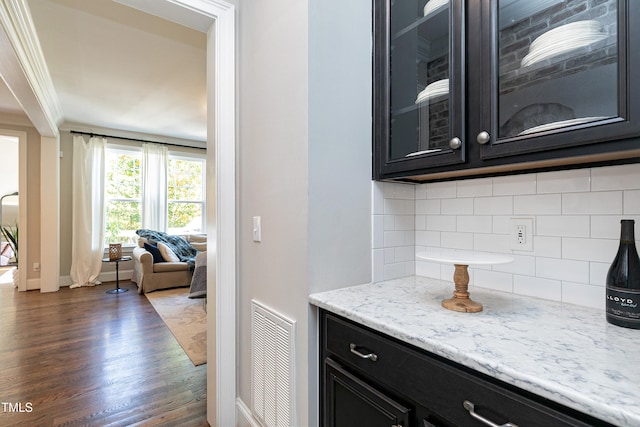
{"points": [[257, 229]]}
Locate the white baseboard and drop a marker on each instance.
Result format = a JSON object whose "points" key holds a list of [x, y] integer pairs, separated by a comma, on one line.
{"points": [[33, 284], [243, 415]]}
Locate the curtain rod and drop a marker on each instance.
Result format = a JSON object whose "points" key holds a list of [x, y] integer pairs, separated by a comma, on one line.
{"points": [[91, 134]]}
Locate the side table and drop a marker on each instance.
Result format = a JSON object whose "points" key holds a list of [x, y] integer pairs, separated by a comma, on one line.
{"points": [[118, 289]]}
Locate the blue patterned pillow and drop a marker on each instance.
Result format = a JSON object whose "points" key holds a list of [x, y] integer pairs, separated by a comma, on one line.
{"points": [[155, 252]]}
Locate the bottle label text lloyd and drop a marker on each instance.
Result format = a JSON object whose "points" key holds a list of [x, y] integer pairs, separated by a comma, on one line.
{"points": [[623, 303]]}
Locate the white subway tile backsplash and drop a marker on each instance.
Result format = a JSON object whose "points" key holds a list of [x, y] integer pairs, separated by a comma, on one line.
{"points": [[562, 269], [441, 222], [576, 215], [599, 203], [584, 295], [457, 207], [492, 280], [428, 207], [623, 177], [537, 287], [457, 240], [631, 202], [563, 226], [571, 181], [480, 187], [545, 204], [599, 250], [547, 246], [406, 192], [501, 224], [428, 238], [474, 224], [491, 242], [605, 226], [394, 239], [394, 271], [514, 185], [493, 205], [405, 253], [441, 190], [428, 269], [522, 265], [598, 272], [405, 222]]}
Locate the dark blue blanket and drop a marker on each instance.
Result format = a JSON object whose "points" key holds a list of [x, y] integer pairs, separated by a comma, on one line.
{"points": [[183, 250]]}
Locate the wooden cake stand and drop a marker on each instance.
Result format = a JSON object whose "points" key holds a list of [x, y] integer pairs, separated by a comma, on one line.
{"points": [[462, 260]]}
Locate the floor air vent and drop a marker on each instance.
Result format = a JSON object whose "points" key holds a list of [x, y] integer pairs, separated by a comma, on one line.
{"points": [[272, 364]]}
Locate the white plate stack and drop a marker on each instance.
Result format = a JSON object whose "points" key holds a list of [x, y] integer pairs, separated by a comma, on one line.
{"points": [[433, 6], [562, 123], [563, 39], [437, 88]]}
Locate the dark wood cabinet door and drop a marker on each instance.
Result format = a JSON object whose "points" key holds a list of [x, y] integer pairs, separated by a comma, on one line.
{"points": [[556, 75], [350, 402], [419, 84]]}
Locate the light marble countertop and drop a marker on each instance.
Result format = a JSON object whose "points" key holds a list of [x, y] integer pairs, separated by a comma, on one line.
{"points": [[566, 353]]}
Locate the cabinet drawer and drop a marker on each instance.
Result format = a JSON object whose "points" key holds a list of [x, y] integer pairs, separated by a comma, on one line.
{"points": [[439, 385]]}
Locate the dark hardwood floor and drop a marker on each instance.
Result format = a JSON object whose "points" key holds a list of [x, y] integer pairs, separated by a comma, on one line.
{"points": [[82, 357]]}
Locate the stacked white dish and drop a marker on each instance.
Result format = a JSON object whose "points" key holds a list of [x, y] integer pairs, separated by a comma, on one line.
{"points": [[433, 6], [563, 39], [561, 123], [437, 88]]}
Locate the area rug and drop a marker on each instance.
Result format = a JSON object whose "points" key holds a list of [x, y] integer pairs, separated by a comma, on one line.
{"points": [[185, 318]]}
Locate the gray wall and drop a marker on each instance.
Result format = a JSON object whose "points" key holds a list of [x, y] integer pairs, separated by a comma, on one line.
{"points": [[304, 79]]}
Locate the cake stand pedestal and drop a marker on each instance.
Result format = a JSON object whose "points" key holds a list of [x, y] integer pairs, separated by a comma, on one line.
{"points": [[461, 261]]}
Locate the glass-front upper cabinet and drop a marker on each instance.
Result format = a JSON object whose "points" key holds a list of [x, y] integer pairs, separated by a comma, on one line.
{"points": [[556, 75], [419, 84]]}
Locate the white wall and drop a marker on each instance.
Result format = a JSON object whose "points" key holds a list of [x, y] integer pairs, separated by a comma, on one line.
{"points": [[576, 228], [304, 167]]}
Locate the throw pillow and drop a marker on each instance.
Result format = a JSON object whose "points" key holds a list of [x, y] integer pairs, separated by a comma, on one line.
{"points": [[167, 253], [155, 252]]}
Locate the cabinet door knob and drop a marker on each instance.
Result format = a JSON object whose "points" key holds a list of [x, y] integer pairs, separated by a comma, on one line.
{"points": [[483, 137], [455, 143], [471, 408], [354, 349]]}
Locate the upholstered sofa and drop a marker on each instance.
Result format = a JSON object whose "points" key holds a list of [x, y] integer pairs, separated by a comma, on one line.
{"points": [[163, 274]]}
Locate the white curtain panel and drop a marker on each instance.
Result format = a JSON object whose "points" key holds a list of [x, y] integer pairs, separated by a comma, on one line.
{"points": [[154, 186], [88, 211]]}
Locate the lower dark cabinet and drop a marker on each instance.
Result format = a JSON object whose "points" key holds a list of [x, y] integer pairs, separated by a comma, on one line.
{"points": [[351, 402], [371, 379]]}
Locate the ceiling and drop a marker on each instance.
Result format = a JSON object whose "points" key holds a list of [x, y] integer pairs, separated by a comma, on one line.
{"points": [[117, 68]]}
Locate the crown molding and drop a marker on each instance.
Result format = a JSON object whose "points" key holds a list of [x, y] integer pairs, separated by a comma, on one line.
{"points": [[24, 68]]}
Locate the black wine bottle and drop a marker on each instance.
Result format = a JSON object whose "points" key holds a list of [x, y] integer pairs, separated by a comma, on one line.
{"points": [[623, 281]]}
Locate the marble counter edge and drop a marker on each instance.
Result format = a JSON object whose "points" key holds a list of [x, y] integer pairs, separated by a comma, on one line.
{"points": [[572, 398]]}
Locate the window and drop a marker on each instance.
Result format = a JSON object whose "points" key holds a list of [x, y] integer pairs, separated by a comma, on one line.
{"points": [[184, 202], [123, 197], [185, 194]]}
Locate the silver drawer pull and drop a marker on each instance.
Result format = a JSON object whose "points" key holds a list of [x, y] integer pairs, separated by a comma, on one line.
{"points": [[371, 356], [471, 408]]}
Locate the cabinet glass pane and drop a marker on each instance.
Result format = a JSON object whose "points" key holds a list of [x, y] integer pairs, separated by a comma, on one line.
{"points": [[419, 77], [558, 64]]}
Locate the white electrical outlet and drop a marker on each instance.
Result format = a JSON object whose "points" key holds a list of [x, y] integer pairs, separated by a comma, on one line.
{"points": [[522, 234]]}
